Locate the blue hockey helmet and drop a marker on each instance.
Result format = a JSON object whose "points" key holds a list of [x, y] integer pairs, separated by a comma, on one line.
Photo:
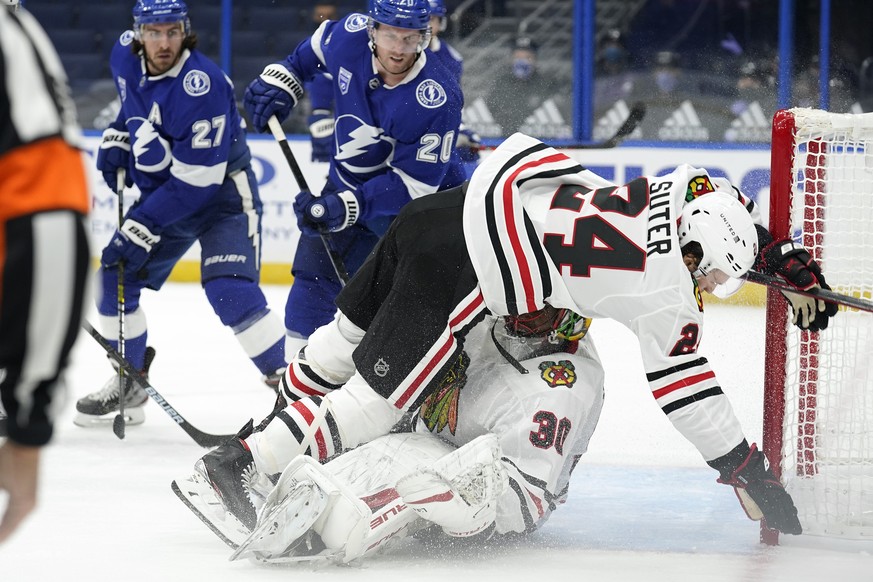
{"points": [[408, 14], [160, 12], [438, 8], [414, 14]]}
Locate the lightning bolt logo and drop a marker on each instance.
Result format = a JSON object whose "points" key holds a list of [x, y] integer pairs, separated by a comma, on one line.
{"points": [[361, 138], [151, 151]]}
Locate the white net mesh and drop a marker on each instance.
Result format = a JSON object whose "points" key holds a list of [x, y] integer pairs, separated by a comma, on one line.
{"points": [[827, 430]]}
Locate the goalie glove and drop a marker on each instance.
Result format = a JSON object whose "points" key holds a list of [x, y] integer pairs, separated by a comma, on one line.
{"points": [[460, 491], [794, 263], [760, 494], [321, 134], [274, 92]]}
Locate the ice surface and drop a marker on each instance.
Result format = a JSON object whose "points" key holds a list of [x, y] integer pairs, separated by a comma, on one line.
{"points": [[643, 505]]}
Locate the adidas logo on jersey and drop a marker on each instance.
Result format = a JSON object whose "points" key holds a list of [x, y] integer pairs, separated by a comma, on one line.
{"points": [[750, 125], [547, 121], [608, 125], [478, 117], [683, 124]]}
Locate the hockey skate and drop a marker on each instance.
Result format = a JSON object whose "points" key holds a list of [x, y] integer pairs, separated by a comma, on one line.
{"points": [[99, 408], [274, 380], [225, 492]]}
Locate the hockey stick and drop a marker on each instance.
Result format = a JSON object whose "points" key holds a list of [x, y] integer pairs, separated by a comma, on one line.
{"points": [[634, 117], [823, 294], [279, 135], [204, 439], [118, 421]]}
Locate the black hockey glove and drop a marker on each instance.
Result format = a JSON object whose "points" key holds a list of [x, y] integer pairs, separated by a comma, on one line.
{"points": [[760, 494], [794, 263]]}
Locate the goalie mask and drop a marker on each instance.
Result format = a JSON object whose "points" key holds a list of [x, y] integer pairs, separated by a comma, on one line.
{"points": [[159, 12], [548, 321], [724, 229], [413, 16]]}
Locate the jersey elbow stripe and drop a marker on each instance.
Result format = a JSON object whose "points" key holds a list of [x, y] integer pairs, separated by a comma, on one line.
{"points": [[691, 399]]}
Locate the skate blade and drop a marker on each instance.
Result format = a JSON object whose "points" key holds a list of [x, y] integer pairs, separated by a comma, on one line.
{"points": [[198, 496], [281, 527], [132, 417]]}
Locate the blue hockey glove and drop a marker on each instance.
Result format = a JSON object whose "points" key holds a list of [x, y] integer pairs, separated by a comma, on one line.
{"points": [[114, 153], [321, 131], [468, 145], [794, 263], [274, 92], [760, 493], [332, 212], [132, 243]]}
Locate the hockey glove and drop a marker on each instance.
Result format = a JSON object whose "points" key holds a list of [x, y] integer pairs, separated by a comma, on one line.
{"points": [[468, 145], [132, 243], [794, 263], [321, 131], [760, 494], [332, 212], [274, 92], [460, 491], [114, 153]]}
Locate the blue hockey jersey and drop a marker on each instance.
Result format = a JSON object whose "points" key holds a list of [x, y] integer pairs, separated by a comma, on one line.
{"points": [[185, 131], [448, 57], [393, 144]]}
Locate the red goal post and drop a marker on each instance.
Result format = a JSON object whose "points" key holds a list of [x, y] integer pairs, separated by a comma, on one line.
{"points": [[818, 399]]}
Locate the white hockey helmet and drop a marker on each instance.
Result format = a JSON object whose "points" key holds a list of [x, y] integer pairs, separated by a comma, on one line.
{"points": [[13, 4], [726, 233]]}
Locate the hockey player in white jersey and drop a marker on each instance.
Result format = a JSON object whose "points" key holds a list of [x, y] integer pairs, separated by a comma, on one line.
{"points": [[534, 228], [506, 425]]}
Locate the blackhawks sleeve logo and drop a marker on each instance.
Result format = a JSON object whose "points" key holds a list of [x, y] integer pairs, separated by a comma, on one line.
{"points": [[440, 408], [560, 373]]}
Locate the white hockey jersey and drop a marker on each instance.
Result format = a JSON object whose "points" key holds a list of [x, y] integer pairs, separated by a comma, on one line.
{"points": [[539, 227], [543, 419]]}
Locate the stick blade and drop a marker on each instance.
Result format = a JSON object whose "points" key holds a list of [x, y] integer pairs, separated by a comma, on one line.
{"points": [[118, 426]]}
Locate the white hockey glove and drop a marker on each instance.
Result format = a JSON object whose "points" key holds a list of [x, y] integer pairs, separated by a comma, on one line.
{"points": [[459, 492]]}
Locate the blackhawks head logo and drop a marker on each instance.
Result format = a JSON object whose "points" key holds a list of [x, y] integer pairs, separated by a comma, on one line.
{"points": [[560, 373], [697, 187], [440, 408]]}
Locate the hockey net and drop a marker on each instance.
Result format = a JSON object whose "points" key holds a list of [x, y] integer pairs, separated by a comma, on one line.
{"points": [[818, 408]]}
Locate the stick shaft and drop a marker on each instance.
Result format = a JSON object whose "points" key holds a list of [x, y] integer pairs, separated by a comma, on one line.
{"points": [[279, 135]]}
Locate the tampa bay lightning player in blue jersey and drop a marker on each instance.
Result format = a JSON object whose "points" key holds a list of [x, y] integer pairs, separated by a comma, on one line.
{"points": [[320, 92], [191, 163], [397, 114]]}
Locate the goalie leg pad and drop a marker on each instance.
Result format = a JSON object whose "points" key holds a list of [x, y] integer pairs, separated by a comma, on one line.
{"points": [[308, 500], [460, 491]]}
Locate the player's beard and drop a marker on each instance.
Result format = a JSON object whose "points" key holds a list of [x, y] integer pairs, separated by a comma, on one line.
{"points": [[163, 61]]}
